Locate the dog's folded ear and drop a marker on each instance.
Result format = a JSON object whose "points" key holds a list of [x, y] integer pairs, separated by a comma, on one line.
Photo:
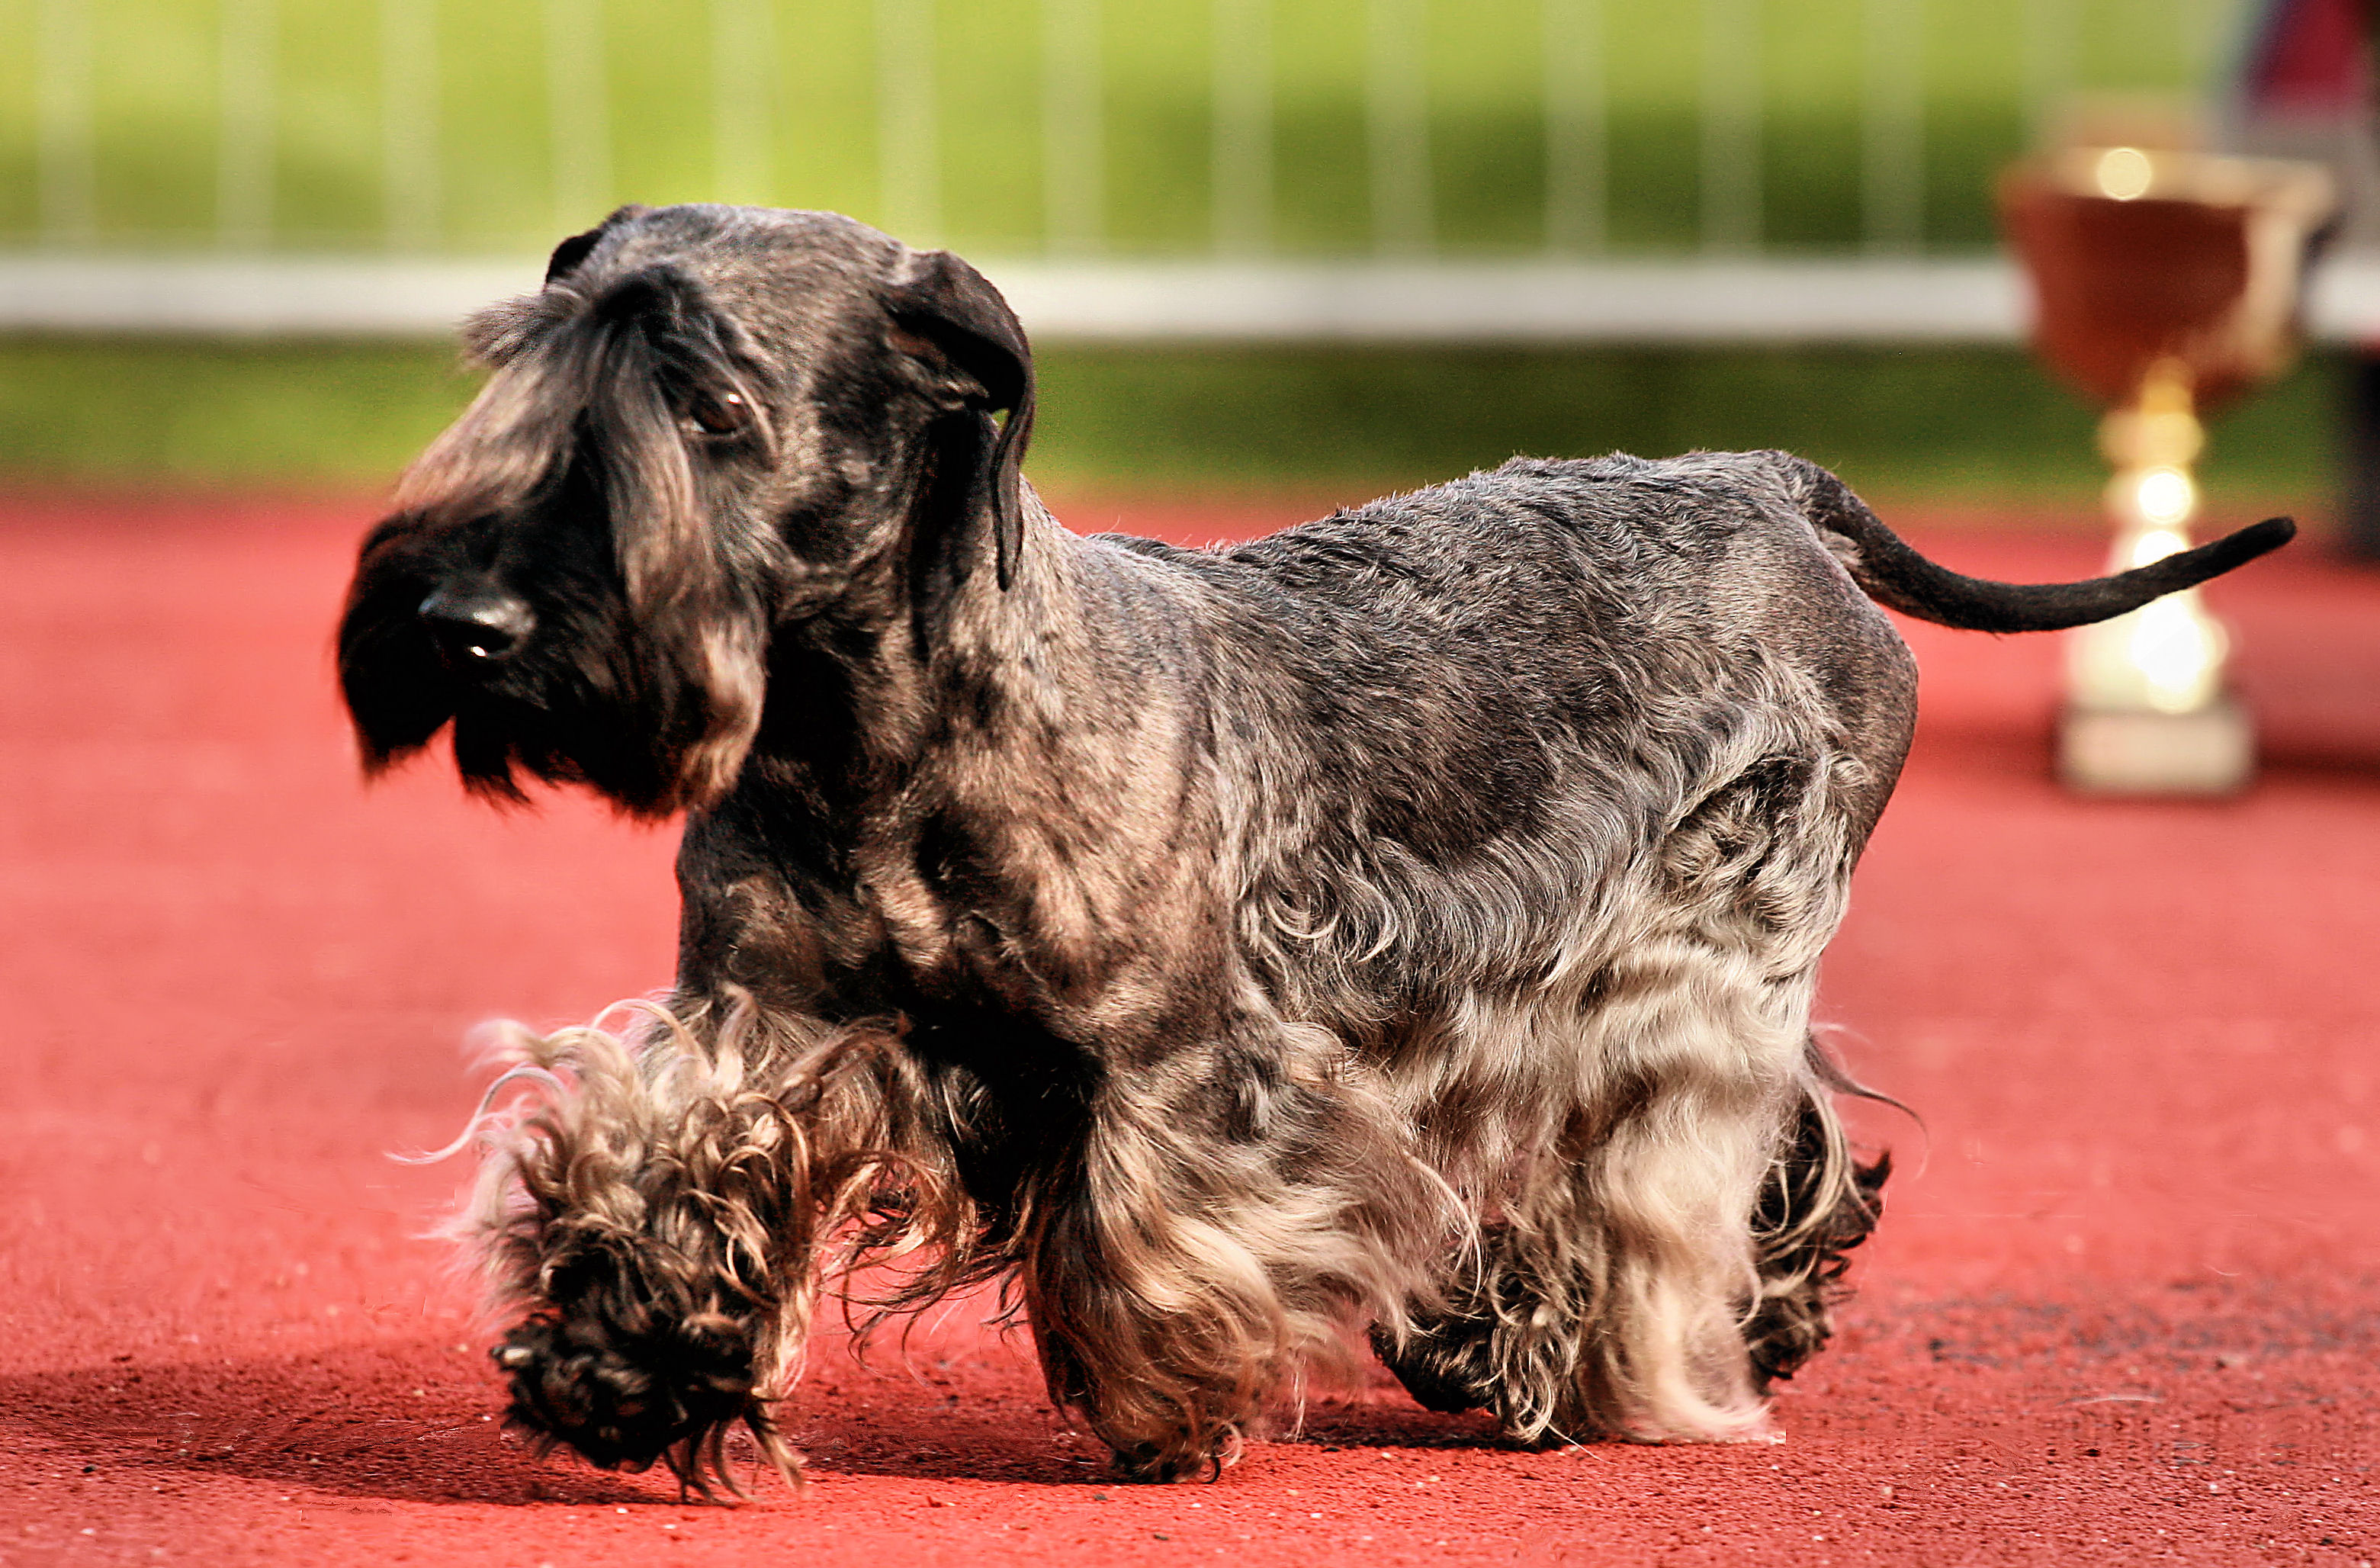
{"points": [[941, 300], [496, 335], [578, 247]]}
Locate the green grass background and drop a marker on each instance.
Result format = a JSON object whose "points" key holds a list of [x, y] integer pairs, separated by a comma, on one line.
{"points": [[157, 73]]}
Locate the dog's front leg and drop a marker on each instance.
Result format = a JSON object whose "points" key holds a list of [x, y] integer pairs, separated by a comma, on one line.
{"points": [[660, 1225], [1232, 1217]]}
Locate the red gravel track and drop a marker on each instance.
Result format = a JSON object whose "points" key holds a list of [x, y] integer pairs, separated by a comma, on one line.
{"points": [[2122, 1309]]}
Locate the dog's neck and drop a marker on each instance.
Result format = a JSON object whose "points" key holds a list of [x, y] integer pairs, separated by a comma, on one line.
{"points": [[928, 782], [916, 649]]}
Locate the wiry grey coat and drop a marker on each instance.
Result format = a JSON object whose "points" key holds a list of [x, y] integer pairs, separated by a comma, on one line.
{"points": [[1405, 926]]}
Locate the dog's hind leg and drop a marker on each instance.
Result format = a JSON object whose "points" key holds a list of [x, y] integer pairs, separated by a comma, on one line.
{"points": [[1648, 1242], [1693, 1071], [1604, 1298], [1627, 1242]]}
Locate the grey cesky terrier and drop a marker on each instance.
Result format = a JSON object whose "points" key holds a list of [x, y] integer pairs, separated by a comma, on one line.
{"points": [[1400, 931]]}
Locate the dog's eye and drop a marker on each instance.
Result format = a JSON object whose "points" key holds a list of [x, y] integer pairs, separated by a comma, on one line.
{"points": [[724, 415]]}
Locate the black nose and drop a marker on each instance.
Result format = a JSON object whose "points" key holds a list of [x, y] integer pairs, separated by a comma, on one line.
{"points": [[477, 626]]}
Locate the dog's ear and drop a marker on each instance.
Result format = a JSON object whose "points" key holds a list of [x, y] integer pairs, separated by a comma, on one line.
{"points": [[955, 309], [578, 247]]}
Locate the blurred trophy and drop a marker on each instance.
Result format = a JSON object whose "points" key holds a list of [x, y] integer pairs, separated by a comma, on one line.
{"points": [[2165, 283]]}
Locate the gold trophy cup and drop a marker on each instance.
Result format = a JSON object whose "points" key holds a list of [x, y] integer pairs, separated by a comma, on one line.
{"points": [[2164, 283]]}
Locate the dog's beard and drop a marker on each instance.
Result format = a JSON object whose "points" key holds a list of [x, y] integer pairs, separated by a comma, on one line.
{"points": [[657, 720], [655, 729]]}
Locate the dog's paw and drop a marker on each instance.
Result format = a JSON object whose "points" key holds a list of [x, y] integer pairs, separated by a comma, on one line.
{"points": [[622, 1405], [1444, 1366], [1162, 1464]]}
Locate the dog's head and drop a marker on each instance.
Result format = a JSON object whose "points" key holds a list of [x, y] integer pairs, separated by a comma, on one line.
{"points": [[710, 424]]}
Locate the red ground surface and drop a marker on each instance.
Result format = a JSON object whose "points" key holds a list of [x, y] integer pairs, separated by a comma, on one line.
{"points": [[2122, 1308]]}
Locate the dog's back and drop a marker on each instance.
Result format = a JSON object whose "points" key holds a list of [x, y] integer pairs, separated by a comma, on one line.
{"points": [[1480, 654], [1476, 651]]}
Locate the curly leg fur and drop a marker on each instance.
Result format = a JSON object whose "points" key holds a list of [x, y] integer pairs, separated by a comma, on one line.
{"points": [[1818, 1203], [1490, 1351], [1211, 1253], [659, 1227], [1603, 1305], [1603, 1301]]}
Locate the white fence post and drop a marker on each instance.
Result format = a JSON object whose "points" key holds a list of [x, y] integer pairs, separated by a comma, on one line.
{"points": [[1892, 125], [1730, 126], [2052, 42], [408, 123], [579, 113], [908, 162], [1577, 126], [1073, 152], [2212, 31], [743, 100], [1396, 104], [245, 109], [1243, 127], [64, 153]]}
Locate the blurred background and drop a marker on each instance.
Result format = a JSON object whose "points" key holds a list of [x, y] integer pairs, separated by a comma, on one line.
{"points": [[1265, 245]]}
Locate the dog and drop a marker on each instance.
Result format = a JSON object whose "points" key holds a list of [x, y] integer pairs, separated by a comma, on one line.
{"points": [[1399, 930]]}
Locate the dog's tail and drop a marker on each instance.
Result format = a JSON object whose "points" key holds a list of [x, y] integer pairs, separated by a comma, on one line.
{"points": [[1899, 579]]}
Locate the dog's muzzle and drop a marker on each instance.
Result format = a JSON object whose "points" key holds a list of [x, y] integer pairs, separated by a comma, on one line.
{"points": [[476, 628]]}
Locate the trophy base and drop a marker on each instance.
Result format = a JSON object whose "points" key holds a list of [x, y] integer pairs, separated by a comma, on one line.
{"points": [[2211, 751]]}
